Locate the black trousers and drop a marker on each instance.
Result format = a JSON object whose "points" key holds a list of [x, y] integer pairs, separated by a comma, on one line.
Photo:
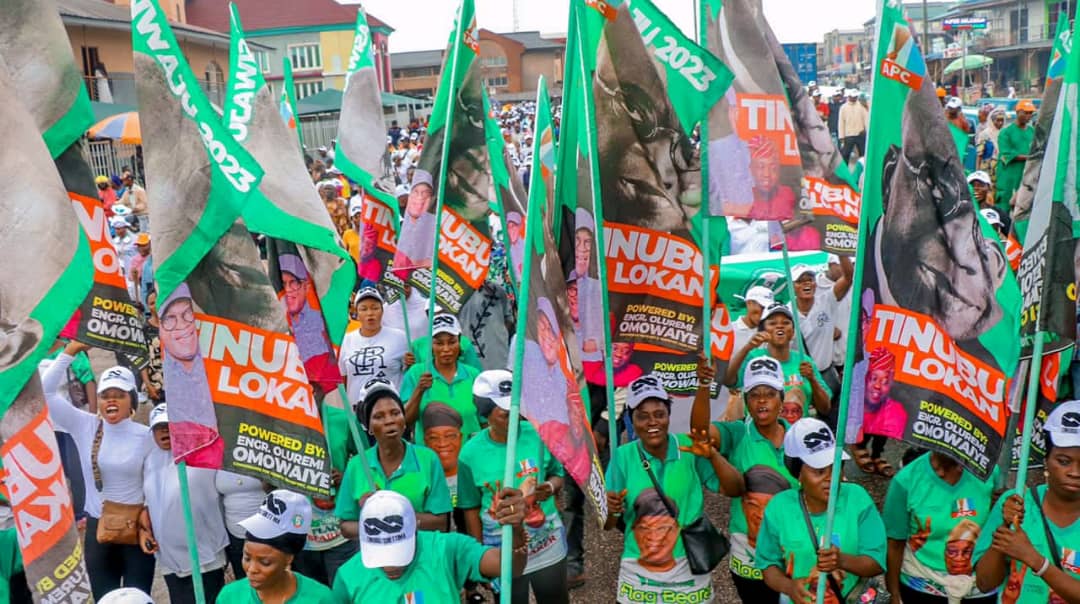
{"points": [[853, 142], [910, 596], [113, 566], [548, 585], [234, 553], [182, 589], [323, 566], [754, 591]]}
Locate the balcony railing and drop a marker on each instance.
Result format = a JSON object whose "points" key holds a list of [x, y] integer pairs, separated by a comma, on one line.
{"points": [[120, 88]]}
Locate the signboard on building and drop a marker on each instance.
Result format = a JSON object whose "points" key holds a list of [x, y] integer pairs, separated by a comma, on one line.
{"points": [[963, 23], [804, 57]]}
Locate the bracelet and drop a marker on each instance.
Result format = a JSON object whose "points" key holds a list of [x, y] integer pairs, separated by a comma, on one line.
{"points": [[550, 486], [1045, 566]]}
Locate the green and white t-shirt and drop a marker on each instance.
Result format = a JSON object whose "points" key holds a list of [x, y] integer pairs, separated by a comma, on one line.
{"points": [[654, 565], [793, 379], [419, 478], [940, 523], [784, 540], [456, 393], [480, 468], [762, 466], [440, 567], [308, 591], [1021, 585], [11, 562], [325, 525]]}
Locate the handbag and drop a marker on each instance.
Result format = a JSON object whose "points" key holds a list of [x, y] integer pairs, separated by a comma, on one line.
{"points": [[867, 590], [705, 545], [119, 522]]}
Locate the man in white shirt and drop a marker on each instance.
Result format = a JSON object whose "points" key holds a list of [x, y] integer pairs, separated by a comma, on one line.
{"points": [[826, 281], [818, 310], [757, 299], [748, 236]]}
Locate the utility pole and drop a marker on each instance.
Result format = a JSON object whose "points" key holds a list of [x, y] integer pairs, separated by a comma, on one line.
{"points": [[925, 30]]}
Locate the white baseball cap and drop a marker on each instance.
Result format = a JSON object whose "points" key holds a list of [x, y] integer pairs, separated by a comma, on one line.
{"points": [[979, 175], [646, 387], [387, 530], [282, 512], [422, 177], [763, 371], [494, 384], [126, 595], [811, 440], [401, 190], [367, 292], [760, 294], [1063, 425], [356, 205], [991, 215], [118, 222], [954, 103], [159, 415], [775, 309], [116, 377], [445, 323], [802, 269]]}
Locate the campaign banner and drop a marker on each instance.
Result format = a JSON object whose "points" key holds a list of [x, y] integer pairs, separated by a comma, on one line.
{"points": [[937, 342], [649, 178], [244, 403], [827, 215], [739, 273], [755, 170], [287, 101], [547, 360], [41, 232], [510, 196], [1055, 72]]}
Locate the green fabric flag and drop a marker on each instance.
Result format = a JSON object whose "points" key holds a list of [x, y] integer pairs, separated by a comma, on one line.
{"points": [[239, 397], [451, 184], [511, 199], [939, 307], [1055, 71], [287, 102]]}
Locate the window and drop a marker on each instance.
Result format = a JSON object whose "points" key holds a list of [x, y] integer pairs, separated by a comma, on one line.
{"points": [[305, 56], [215, 82], [263, 59], [414, 72], [306, 89], [496, 61], [497, 82]]}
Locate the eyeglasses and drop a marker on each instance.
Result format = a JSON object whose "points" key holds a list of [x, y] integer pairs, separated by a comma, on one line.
{"points": [[294, 285], [170, 322]]}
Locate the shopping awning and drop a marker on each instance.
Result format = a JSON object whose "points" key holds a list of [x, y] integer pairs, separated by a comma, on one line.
{"points": [[969, 62]]}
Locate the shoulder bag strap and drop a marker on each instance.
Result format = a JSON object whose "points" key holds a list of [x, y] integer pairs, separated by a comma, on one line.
{"points": [[834, 585], [656, 484], [1055, 555], [94, 450]]}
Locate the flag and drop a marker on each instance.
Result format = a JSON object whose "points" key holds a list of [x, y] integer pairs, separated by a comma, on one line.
{"points": [[363, 160], [106, 318], [239, 394], [510, 196], [1055, 72], [547, 356], [50, 272], [647, 102], [754, 166], [937, 337], [287, 101], [455, 165]]}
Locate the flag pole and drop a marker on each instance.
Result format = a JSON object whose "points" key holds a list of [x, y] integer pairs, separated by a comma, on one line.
{"points": [[794, 301], [192, 542], [1031, 402], [707, 291]]}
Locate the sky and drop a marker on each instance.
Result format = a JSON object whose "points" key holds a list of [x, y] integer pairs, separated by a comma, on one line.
{"points": [[425, 24]]}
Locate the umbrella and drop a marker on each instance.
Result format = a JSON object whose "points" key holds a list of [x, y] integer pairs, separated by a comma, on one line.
{"points": [[122, 127], [969, 62]]}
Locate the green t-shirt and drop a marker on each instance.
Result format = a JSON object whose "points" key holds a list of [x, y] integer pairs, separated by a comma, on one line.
{"points": [[793, 379], [1012, 141], [80, 365], [681, 475], [421, 349], [1021, 585], [325, 525], [481, 466], [419, 478], [457, 394], [440, 567], [762, 466], [784, 541], [308, 591], [10, 562], [918, 499]]}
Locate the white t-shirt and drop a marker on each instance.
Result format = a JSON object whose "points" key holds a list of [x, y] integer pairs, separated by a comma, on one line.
{"points": [[817, 327], [743, 333], [161, 486], [241, 497], [363, 358], [748, 236], [843, 315], [124, 445], [417, 307]]}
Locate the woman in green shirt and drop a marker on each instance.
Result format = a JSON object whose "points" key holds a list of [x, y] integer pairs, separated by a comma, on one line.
{"points": [[934, 512], [1028, 548], [791, 550], [394, 463], [275, 535], [447, 379], [654, 565]]}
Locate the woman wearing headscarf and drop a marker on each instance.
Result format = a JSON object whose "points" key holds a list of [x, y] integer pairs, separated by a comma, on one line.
{"points": [[393, 463], [986, 143], [654, 562], [1028, 546], [273, 538], [112, 449], [790, 553], [934, 512]]}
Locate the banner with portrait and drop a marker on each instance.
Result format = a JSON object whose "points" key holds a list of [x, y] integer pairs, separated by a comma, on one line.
{"points": [[937, 340]]}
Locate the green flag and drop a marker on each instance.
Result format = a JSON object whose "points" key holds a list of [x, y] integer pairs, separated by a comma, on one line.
{"points": [[510, 196], [287, 101], [938, 308]]}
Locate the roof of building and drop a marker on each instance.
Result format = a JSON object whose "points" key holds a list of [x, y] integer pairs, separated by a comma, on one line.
{"points": [[533, 40], [416, 58], [275, 14], [111, 16], [530, 40]]}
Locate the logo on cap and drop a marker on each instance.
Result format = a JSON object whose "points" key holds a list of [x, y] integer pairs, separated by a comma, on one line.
{"points": [[818, 440], [764, 364], [115, 372], [1070, 422], [297, 520], [388, 529], [644, 383], [506, 387], [443, 320]]}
